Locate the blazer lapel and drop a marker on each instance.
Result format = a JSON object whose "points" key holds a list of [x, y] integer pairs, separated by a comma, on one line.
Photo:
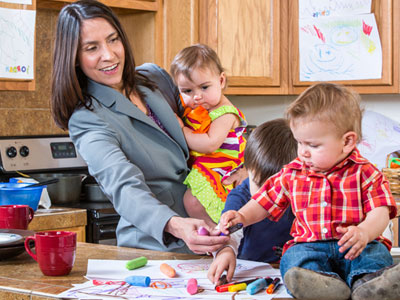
{"points": [[165, 114], [114, 100]]}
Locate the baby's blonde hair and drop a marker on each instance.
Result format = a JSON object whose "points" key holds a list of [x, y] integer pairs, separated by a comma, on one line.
{"points": [[194, 57], [331, 103]]}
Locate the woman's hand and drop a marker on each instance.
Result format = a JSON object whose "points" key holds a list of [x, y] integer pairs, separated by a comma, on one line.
{"points": [[224, 260], [186, 229]]}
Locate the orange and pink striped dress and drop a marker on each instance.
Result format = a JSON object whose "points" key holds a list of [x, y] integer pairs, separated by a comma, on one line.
{"points": [[209, 170]]}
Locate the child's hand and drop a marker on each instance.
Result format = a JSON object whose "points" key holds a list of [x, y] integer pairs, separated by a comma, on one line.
{"points": [[228, 219], [237, 177], [180, 121], [225, 260], [354, 238]]}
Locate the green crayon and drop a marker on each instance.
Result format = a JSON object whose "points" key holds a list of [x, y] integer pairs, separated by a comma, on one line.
{"points": [[136, 263]]}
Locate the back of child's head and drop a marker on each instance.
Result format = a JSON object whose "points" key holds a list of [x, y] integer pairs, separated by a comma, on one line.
{"points": [[269, 147], [331, 103], [197, 56]]}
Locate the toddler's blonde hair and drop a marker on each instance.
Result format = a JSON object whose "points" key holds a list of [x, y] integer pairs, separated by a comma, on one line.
{"points": [[328, 102]]}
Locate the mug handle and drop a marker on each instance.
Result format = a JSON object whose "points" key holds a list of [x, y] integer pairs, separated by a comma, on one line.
{"points": [[28, 248], [31, 213]]}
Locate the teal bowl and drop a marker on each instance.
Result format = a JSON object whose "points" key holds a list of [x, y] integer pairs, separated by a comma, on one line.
{"points": [[18, 193]]}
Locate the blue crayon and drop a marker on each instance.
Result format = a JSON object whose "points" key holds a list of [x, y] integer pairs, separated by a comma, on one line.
{"points": [[256, 286], [138, 280]]}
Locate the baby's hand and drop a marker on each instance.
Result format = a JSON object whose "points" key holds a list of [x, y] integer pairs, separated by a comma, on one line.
{"points": [[224, 260], [354, 238], [228, 219], [180, 121]]}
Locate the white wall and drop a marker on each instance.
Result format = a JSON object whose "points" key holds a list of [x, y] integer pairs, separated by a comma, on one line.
{"points": [[259, 109]]}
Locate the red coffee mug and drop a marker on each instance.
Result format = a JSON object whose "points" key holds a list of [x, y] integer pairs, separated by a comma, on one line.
{"points": [[15, 216], [55, 251]]}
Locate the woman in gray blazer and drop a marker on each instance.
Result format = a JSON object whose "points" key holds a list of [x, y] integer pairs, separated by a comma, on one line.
{"points": [[121, 121]]}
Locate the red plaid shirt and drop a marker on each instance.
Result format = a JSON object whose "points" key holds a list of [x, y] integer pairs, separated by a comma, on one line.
{"points": [[323, 201]]}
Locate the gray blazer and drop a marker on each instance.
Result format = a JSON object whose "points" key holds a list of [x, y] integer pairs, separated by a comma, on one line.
{"points": [[140, 168]]}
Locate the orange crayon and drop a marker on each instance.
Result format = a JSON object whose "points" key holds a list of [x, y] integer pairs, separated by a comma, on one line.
{"points": [[167, 270]]}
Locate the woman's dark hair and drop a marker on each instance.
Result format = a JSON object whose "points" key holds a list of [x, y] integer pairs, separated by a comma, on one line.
{"points": [[269, 147], [68, 80]]}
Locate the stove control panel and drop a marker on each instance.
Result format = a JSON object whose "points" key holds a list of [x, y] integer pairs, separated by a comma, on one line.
{"points": [[38, 153]]}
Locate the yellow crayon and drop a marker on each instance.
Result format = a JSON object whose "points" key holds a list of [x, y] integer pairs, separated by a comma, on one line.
{"points": [[237, 287]]}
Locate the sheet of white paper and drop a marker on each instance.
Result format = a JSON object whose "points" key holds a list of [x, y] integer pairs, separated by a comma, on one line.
{"points": [[17, 33], [197, 268], [331, 8], [381, 137], [340, 48], [395, 251], [29, 2], [166, 288], [106, 281]]}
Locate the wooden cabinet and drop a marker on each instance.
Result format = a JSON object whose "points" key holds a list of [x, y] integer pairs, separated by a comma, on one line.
{"points": [[180, 23], [257, 42], [250, 38], [65, 219], [387, 17]]}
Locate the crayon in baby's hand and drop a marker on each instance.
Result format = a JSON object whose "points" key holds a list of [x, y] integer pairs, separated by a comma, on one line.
{"points": [[167, 270]]}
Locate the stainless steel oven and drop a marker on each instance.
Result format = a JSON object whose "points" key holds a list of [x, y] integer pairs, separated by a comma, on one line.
{"points": [[57, 154]]}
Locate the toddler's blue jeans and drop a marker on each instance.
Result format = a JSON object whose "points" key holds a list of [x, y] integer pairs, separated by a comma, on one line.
{"points": [[324, 257]]}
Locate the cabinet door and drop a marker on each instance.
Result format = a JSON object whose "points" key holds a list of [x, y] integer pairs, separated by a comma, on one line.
{"points": [[386, 15], [247, 36], [180, 21]]}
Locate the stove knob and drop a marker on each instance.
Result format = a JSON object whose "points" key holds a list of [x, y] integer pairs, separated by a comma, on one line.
{"points": [[24, 151], [11, 152]]}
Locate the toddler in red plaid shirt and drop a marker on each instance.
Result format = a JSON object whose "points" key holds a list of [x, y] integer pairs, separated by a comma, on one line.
{"points": [[342, 203]]}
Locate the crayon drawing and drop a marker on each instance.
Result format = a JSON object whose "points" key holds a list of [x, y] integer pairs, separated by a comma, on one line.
{"points": [[17, 32], [28, 2], [339, 48], [381, 137], [89, 290], [331, 8], [106, 280]]}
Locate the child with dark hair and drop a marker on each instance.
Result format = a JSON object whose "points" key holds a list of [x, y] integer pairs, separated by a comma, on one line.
{"points": [[269, 147]]}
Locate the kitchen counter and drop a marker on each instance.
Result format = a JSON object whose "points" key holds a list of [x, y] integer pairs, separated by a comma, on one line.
{"points": [[21, 278], [21, 275], [60, 218]]}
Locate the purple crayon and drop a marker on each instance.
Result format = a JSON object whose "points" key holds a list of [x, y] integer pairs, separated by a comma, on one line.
{"points": [[234, 228]]}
